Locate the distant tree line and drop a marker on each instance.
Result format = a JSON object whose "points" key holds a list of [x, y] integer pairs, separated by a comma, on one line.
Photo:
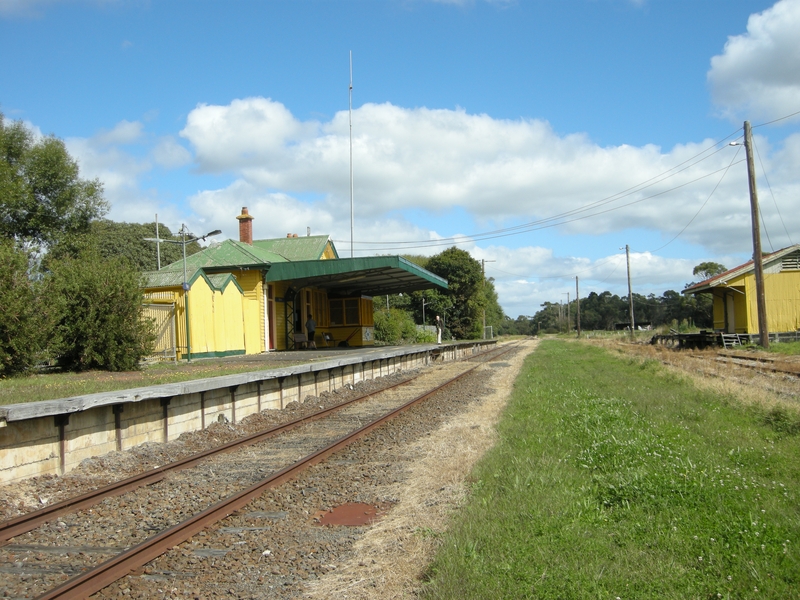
{"points": [[607, 310]]}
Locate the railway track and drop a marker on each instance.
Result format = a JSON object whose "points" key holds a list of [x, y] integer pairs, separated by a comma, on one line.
{"points": [[107, 526], [756, 363]]}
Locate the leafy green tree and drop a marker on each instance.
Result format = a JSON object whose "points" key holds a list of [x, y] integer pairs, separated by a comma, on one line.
{"points": [[130, 241], [99, 308], [465, 293], [24, 324], [42, 197], [707, 270]]}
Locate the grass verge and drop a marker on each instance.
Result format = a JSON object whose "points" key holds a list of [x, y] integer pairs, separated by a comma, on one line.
{"points": [[52, 386], [617, 479]]}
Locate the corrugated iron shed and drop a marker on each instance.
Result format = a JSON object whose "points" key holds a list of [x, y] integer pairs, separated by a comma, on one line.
{"points": [[723, 278]]}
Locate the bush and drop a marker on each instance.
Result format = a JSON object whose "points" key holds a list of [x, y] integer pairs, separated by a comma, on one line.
{"points": [[23, 327], [394, 327], [99, 304]]}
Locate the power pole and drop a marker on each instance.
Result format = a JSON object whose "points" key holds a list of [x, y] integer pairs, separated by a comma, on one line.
{"points": [[568, 313], [630, 295], [763, 331], [483, 283], [578, 308]]}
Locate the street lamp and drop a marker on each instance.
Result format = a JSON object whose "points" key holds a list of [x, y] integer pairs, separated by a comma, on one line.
{"points": [[185, 285]]}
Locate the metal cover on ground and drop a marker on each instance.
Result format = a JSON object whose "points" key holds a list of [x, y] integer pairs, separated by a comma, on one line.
{"points": [[352, 514]]}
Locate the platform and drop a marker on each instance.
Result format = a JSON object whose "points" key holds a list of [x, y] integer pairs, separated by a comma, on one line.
{"points": [[53, 436]]}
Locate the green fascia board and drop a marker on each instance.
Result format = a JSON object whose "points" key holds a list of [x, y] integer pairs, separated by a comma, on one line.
{"points": [[343, 266], [174, 279], [220, 281]]}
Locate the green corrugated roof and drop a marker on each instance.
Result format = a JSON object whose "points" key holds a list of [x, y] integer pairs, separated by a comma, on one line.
{"points": [[369, 275], [174, 278], [290, 249], [298, 259]]}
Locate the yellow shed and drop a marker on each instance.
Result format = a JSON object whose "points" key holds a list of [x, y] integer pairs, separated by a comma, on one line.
{"points": [[734, 293]]}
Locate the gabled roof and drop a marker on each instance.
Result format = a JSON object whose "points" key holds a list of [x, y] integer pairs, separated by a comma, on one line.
{"points": [[723, 278], [299, 260], [174, 279], [310, 247]]}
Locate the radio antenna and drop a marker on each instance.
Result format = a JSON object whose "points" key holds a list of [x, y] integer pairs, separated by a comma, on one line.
{"points": [[351, 154]]}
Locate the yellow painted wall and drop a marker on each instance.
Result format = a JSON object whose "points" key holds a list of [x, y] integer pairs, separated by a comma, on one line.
{"points": [[328, 253], [782, 294], [252, 310], [201, 318]]}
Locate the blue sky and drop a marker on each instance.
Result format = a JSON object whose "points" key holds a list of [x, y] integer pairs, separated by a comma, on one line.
{"points": [[469, 117]]}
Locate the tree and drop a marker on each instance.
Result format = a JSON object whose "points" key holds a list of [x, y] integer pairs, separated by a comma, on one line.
{"points": [[24, 325], [465, 291], [42, 197], [129, 240], [99, 321], [707, 270]]}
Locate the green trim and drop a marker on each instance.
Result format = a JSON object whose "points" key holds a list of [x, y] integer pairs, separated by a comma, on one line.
{"points": [[217, 354], [357, 267]]}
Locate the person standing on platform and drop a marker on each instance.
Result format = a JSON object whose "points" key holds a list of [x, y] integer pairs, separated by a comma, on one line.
{"points": [[311, 330], [439, 328]]}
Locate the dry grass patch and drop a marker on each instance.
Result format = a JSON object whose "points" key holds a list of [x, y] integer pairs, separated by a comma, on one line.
{"points": [[388, 562], [749, 387]]}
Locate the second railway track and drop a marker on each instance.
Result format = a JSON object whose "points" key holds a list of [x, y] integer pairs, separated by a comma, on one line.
{"points": [[76, 542]]}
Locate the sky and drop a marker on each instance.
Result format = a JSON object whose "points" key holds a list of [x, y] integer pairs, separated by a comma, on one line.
{"points": [[540, 136]]}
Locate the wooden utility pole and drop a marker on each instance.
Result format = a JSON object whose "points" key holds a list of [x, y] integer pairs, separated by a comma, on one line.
{"points": [[630, 294], [577, 307], [763, 330], [483, 282]]}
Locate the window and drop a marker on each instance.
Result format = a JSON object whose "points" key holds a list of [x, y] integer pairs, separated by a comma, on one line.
{"points": [[345, 311]]}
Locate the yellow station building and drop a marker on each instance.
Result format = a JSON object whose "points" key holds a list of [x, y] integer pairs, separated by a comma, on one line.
{"points": [[734, 292], [252, 296]]}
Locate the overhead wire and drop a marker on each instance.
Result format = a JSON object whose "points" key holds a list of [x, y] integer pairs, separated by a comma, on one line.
{"points": [[558, 219]]}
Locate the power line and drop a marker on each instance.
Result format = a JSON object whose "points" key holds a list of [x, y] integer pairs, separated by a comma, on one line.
{"points": [[533, 225]]}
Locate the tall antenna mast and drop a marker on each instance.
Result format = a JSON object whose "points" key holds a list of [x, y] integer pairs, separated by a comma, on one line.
{"points": [[351, 154]]}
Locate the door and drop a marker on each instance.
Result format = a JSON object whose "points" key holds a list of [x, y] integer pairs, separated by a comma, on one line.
{"points": [[730, 321]]}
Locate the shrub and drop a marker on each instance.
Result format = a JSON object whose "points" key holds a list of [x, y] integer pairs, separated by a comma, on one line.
{"points": [[394, 327], [99, 323], [23, 327]]}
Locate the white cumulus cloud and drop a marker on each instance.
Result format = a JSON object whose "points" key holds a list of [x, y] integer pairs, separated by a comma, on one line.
{"points": [[758, 74]]}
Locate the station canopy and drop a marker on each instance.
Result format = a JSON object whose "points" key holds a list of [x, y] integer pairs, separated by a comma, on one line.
{"points": [[364, 276]]}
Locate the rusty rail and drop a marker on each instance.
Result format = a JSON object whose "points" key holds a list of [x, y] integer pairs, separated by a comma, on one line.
{"points": [[29, 521], [94, 580]]}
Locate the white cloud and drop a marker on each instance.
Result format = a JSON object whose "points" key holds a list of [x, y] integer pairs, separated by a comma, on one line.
{"points": [[499, 172], [121, 157], [170, 154], [123, 133], [758, 74]]}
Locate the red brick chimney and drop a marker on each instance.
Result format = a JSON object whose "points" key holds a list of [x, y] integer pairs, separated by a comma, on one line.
{"points": [[245, 227]]}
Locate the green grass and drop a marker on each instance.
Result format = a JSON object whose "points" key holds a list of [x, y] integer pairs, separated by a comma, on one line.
{"points": [[615, 479], [51, 386], [788, 348]]}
